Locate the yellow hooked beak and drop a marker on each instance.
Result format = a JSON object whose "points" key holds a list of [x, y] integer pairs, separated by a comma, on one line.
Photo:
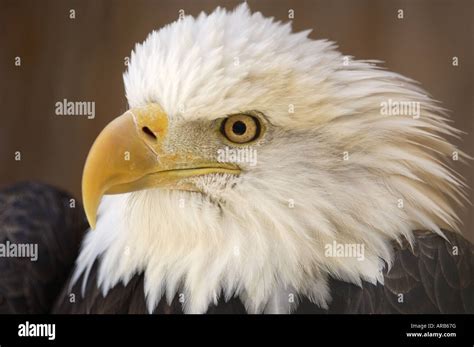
{"points": [[130, 154]]}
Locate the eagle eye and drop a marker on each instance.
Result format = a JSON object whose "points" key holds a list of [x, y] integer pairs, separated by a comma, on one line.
{"points": [[241, 128]]}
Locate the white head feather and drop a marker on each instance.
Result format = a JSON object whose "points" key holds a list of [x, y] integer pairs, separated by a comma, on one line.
{"points": [[255, 242]]}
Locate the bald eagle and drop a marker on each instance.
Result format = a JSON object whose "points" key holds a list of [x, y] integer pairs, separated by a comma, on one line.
{"points": [[256, 171]]}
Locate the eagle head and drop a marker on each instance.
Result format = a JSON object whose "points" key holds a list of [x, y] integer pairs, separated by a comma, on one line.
{"points": [[246, 151]]}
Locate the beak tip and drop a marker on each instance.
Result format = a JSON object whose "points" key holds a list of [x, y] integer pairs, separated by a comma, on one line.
{"points": [[90, 209], [91, 220]]}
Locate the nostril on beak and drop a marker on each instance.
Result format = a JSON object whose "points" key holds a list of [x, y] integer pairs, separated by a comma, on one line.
{"points": [[149, 133]]}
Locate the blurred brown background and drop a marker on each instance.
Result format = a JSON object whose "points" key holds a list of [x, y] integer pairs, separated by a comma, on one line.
{"points": [[82, 59]]}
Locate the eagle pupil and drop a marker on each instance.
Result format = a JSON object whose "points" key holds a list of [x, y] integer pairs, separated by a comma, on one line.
{"points": [[239, 128]]}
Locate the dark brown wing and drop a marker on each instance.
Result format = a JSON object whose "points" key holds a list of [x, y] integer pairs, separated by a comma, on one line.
{"points": [[37, 214], [435, 276]]}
